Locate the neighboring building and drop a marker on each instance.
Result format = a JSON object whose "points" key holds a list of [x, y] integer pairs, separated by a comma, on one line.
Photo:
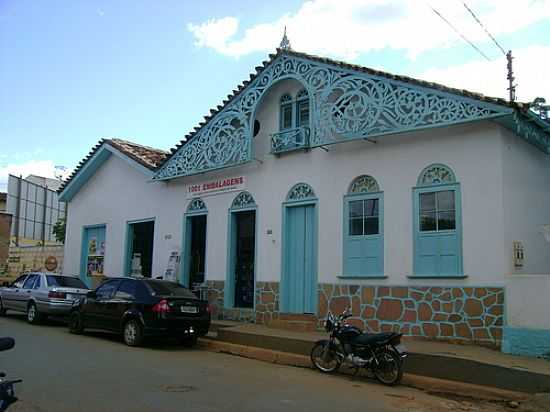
{"points": [[52, 184], [35, 208], [3, 198], [318, 185]]}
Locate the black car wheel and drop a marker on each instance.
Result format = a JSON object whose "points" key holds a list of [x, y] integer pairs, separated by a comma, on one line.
{"points": [[33, 316], [76, 325], [133, 333]]}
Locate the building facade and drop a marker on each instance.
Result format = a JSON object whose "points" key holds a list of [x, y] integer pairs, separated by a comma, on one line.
{"points": [[318, 186]]}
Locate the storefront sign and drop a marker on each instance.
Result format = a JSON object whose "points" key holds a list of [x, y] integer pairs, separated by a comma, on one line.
{"points": [[228, 184]]}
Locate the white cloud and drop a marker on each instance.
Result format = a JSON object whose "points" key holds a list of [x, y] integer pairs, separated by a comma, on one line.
{"points": [[345, 29], [45, 168], [530, 69]]}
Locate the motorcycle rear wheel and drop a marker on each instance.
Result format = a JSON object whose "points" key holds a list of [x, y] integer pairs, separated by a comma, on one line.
{"points": [[325, 358], [390, 368]]}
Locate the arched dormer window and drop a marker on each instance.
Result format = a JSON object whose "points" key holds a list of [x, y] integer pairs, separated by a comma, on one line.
{"points": [[302, 108], [286, 112]]}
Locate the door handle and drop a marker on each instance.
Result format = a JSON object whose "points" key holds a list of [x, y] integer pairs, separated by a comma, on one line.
{"points": [[28, 291]]}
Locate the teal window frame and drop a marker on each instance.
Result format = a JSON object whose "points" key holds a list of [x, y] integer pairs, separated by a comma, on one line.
{"points": [[84, 250], [302, 99], [286, 104], [346, 273], [417, 191]]}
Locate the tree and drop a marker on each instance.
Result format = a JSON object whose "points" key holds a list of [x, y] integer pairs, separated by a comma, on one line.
{"points": [[59, 230]]}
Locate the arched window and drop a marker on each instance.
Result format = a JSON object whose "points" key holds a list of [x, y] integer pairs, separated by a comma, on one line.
{"points": [[300, 192], [243, 200], [363, 229], [286, 112], [302, 108], [196, 205], [437, 223]]}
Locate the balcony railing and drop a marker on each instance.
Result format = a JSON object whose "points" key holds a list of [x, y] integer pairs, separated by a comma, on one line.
{"points": [[290, 139]]}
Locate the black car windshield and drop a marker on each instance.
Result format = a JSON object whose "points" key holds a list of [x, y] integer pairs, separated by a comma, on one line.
{"points": [[65, 281], [164, 288]]}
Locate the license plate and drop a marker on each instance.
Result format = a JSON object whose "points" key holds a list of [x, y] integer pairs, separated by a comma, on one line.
{"points": [[70, 297], [189, 309], [401, 348]]}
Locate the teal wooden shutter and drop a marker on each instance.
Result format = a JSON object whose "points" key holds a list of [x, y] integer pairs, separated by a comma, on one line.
{"points": [[363, 246], [438, 242]]}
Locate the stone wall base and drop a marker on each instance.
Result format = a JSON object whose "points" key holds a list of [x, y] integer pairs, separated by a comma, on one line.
{"points": [[454, 313]]}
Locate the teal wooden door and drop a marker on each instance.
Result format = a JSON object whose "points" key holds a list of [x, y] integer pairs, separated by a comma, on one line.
{"points": [[438, 231], [300, 280]]}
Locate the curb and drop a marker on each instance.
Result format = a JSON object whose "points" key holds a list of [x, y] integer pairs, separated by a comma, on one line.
{"points": [[433, 386]]}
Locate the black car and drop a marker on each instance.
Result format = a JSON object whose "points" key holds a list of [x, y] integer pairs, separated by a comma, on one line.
{"points": [[140, 308]]}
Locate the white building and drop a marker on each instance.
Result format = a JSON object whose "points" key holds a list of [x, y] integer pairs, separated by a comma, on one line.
{"points": [[319, 185]]}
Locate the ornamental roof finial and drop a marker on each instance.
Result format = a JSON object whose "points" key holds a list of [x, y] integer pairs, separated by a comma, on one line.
{"points": [[285, 43]]}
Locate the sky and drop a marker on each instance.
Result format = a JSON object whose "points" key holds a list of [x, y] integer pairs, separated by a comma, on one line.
{"points": [[75, 71]]}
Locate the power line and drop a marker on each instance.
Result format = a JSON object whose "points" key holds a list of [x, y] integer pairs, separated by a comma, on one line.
{"points": [[483, 27], [459, 33]]}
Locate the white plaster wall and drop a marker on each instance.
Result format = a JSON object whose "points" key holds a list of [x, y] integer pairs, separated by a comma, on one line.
{"points": [[527, 303], [526, 200], [118, 193]]}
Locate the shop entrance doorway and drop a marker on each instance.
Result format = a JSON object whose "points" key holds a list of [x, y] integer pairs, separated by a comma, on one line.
{"points": [[140, 248], [243, 251], [196, 251]]}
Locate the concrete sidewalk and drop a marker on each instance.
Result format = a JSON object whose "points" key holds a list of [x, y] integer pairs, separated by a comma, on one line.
{"points": [[462, 363]]}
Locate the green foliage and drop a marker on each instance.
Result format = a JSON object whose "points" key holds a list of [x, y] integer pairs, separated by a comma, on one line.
{"points": [[59, 230]]}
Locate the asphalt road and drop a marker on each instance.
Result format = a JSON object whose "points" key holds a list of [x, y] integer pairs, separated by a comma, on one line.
{"points": [[97, 372]]}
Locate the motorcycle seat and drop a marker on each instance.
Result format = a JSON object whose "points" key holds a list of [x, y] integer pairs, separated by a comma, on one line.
{"points": [[373, 338]]}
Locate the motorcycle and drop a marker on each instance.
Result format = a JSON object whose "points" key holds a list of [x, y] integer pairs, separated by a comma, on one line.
{"points": [[381, 353], [7, 392]]}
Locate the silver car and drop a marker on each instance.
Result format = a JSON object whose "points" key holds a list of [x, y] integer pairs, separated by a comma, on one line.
{"points": [[41, 294]]}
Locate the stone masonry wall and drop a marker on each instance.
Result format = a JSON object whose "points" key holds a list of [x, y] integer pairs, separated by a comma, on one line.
{"points": [[467, 314], [27, 258], [470, 314], [267, 301]]}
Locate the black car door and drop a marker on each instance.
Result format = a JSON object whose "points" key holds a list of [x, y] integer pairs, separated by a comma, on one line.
{"points": [[123, 300], [96, 309]]}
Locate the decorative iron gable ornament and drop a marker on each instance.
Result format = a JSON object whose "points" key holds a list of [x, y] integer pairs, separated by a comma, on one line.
{"points": [[345, 104], [243, 200]]}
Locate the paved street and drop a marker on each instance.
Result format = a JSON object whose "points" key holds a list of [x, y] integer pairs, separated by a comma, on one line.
{"points": [[96, 372]]}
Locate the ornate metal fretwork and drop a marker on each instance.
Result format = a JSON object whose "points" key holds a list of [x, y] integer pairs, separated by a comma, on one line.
{"points": [[344, 105], [196, 205], [531, 133], [243, 200], [300, 191], [436, 174], [286, 99], [290, 139], [364, 184], [302, 94]]}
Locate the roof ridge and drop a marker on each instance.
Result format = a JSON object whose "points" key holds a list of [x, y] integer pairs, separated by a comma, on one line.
{"points": [[124, 141]]}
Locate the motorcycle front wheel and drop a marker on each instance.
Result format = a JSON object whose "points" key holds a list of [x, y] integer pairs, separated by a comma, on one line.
{"points": [[389, 370], [325, 358]]}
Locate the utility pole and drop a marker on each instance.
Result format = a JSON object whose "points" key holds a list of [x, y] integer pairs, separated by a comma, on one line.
{"points": [[510, 77]]}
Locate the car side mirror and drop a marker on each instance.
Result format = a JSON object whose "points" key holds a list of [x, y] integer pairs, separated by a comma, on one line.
{"points": [[91, 294]]}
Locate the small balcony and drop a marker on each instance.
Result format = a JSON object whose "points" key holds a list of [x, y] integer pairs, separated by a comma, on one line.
{"points": [[290, 139]]}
